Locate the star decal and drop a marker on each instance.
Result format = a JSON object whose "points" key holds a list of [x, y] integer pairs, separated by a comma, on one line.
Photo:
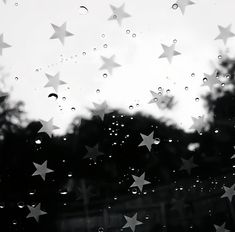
{"points": [[169, 52], [139, 182], [42, 170], [148, 140], [109, 64], [188, 165], [183, 3], [54, 81], [225, 33], [160, 99], [101, 109], [118, 13], [60, 32], [93, 153], [3, 44], [47, 127], [198, 123], [221, 228], [229, 192], [132, 222], [211, 80], [35, 212]]}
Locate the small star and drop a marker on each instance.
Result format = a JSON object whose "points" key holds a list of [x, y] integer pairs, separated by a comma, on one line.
{"points": [[225, 33], [198, 124], [161, 100], [42, 170], [3, 44], [139, 182], [132, 222], [148, 140], [47, 127], [229, 192], [118, 13], [101, 109], [211, 80], [169, 52], [188, 165], [60, 33], [35, 212], [54, 81], [183, 3], [93, 153], [221, 228], [109, 64]]}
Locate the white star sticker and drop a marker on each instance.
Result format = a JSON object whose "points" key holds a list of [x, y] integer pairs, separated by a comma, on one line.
{"points": [[188, 165], [148, 140], [54, 81], [101, 109], [229, 192], [132, 222], [109, 64], [169, 52], [47, 127], [35, 212], [42, 170], [225, 33], [211, 80], [118, 13], [183, 3], [60, 32], [139, 181], [221, 228]]}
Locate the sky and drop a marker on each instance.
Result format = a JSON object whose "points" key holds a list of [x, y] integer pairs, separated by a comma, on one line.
{"points": [[26, 25]]}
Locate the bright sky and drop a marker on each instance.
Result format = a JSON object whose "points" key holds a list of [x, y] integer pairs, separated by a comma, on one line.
{"points": [[27, 28]]}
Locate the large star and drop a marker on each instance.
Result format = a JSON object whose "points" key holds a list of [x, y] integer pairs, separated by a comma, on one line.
{"points": [[139, 181], [54, 81], [93, 153], [169, 52], [225, 33], [42, 170], [148, 140], [3, 44], [188, 165], [118, 13], [47, 127], [101, 109], [198, 124], [109, 64], [132, 222], [211, 80], [221, 228], [183, 3], [229, 192], [35, 212], [60, 32]]}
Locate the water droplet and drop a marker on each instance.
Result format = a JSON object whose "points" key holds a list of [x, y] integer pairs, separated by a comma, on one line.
{"points": [[197, 99], [175, 41], [157, 141], [83, 10], [14, 222], [54, 95], [168, 91], [105, 45], [38, 141], [128, 31], [134, 35], [174, 6], [131, 107], [105, 75], [63, 98], [103, 35], [2, 205], [16, 78], [204, 79], [114, 16], [192, 74], [219, 57], [21, 204], [70, 174], [227, 76], [16, 4], [84, 53], [73, 109], [186, 88], [97, 91], [134, 191]]}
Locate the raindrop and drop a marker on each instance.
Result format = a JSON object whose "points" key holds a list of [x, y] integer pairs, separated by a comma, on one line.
{"points": [[192, 74], [14, 222], [197, 99], [83, 10], [16, 4], [53, 95], [204, 79], [168, 91], [131, 107], [2, 205], [84, 53], [38, 141], [156, 141], [174, 6], [175, 41], [114, 16], [73, 109], [16, 78], [219, 57], [70, 174], [105, 75], [63, 98], [134, 35], [134, 191], [105, 45], [128, 31], [103, 35], [186, 88], [97, 91], [20, 204]]}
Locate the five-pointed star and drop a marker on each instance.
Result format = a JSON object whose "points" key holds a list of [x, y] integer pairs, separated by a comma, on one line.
{"points": [[188, 164], [60, 33], [3, 44], [101, 109], [160, 99], [229, 192], [148, 140], [211, 80], [225, 33], [54, 81], [132, 222], [118, 13], [35, 212], [139, 181], [221, 228], [198, 123], [109, 64], [169, 52], [47, 127], [93, 153], [42, 170], [183, 3]]}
